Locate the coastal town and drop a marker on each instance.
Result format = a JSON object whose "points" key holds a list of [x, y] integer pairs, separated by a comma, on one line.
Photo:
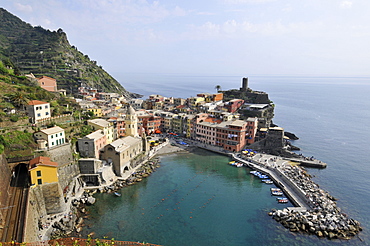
{"points": [[122, 144]]}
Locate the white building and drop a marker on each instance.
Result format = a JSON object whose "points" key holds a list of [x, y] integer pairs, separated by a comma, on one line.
{"points": [[38, 110], [50, 137]]}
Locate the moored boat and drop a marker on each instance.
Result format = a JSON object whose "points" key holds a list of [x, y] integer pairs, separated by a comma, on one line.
{"points": [[276, 193], [283, 200]]}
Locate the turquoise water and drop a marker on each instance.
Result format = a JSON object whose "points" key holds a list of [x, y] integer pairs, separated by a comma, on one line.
{"points": [[229, 207]]}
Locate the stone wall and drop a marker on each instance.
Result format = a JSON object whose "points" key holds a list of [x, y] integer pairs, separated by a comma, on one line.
{"points": [[5, 177], [53, 197], [36, 209]]}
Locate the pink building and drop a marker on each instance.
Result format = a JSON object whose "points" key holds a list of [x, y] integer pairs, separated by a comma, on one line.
{"points": [[231, 135], [47, 83], [90, 145]]}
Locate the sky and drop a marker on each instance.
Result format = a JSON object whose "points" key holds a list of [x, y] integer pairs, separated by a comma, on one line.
{"points": [[212, 37]]}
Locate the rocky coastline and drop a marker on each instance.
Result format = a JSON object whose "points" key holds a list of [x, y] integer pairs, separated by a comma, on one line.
{"points": [[323, 218], [73, 222]]}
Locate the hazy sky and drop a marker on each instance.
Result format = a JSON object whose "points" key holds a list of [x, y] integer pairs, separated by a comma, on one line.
{"points": [[212, 37]]}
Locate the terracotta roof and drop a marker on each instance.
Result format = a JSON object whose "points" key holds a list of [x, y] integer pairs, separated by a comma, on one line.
{"points": [[46, 77], [42, 160], [36, 102]]}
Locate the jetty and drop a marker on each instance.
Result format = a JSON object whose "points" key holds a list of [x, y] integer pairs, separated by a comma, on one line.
{"points": [[308, 162], [271, 167], [315, 210]]}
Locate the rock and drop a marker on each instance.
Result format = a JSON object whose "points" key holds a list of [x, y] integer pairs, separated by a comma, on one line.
{"points": [[90, 200], [319, 234], [332, 235]]}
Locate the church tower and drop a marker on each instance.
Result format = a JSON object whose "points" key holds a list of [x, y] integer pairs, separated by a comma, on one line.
{"points": [[131, 122]]}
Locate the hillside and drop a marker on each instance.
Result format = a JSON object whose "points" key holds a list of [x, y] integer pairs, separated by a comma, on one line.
{"points": [[35, 50]]}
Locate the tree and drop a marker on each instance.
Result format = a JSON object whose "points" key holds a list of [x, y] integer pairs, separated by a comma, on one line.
{"points": [[18, 99], [218, 88]]}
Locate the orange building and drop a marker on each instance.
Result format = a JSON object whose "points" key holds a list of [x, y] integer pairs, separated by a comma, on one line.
{"points": [[47, 83]]}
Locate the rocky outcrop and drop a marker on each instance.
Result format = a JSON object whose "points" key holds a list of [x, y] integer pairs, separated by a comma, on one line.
{"points": [[320, 223], [323, 218]]}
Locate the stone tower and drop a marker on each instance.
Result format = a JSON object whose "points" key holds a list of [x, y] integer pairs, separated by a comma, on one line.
{"points": [[131, 122], [244, 84]]}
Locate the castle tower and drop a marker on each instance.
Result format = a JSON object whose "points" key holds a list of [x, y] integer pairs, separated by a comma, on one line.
{"points": [[244, 84], [131, 122]]}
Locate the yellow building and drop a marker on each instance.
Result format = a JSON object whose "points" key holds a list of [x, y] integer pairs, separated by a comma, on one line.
{"points": [[97, 111], [105, 126], [43, 170]]}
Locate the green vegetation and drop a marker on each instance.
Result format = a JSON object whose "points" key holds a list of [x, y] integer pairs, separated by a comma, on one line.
{"points": [[17, 143], [44, 52]]}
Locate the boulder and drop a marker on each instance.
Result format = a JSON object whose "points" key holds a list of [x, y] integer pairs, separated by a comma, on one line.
{"points": [[90, 200]]}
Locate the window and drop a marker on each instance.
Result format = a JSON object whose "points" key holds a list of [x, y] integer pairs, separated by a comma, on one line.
{"points": [[38, 115], [60, 134], [39, 181], [52, 143], [38, 173], [46, 106]]}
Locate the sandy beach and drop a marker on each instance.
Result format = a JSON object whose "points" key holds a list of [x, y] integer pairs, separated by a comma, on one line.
{"points": [[169, 149]]}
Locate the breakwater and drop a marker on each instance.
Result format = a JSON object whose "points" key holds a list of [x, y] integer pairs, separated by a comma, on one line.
{"points": [[316, 210]]}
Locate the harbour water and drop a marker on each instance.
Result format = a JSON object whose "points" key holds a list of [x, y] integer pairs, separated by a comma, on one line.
{"points": [[207, 202]]}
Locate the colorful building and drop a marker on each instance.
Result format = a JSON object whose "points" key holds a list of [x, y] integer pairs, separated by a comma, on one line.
{"points": [[42, 171], [47, 83], [90, 145], [105, 126]]}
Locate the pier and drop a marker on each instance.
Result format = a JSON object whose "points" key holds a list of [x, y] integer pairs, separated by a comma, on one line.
{"points": [[270, 166]]}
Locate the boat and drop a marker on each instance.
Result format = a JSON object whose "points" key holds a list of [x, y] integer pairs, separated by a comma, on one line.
{"points": [[117, 194], [253, 172], [275, 189], [276, 193], [267, 181], [282, 200], [263, 176], [239, 164], [232, 162]]}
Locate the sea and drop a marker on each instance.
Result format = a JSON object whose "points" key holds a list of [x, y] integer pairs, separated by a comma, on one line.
{"points": [[197, 199]]}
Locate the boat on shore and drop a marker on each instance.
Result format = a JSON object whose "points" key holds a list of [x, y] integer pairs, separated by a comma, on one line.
{"points": [[117, 194]]}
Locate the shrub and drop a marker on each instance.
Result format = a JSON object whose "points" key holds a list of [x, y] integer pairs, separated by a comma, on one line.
{"points": [[14, 118]]}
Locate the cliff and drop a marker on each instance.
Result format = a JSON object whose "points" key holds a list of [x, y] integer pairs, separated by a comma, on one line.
{"points": [[36, 50]]}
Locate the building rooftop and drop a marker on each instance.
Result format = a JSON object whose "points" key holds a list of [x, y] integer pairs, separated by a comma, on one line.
{"points": [[95, 135], [36, 102], [123, 143], [100, 122], [52, 130], [42, 160]]}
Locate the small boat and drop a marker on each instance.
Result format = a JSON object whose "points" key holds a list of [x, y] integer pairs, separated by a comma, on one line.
{"points": [[275, 189], [117, 194], [239, 164], [253, 172], [262, 176], [267, 181], [283, 200], [276, 193]]}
